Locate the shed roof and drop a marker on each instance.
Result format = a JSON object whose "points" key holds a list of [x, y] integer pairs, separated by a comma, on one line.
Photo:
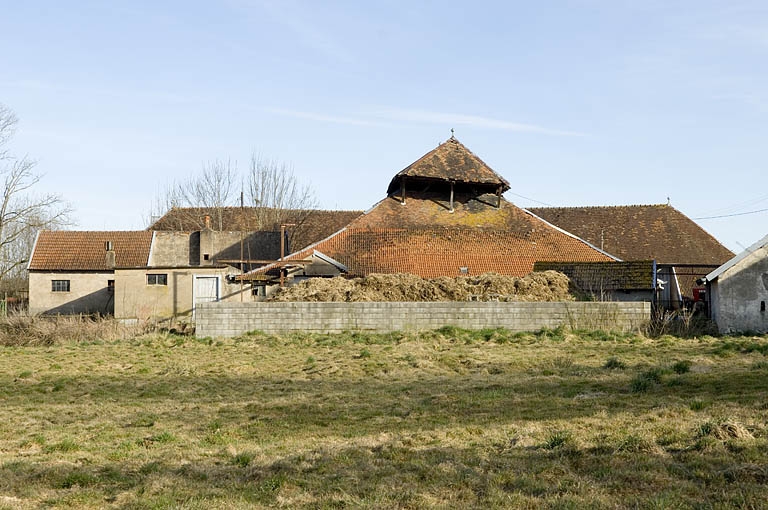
{"points": [[640, 232], [738, 258], [450, 161], [605, 276], [70, 250]]}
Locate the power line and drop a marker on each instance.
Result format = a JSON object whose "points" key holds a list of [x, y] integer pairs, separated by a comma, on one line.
{"points": [[532, 200], [730, 215]]}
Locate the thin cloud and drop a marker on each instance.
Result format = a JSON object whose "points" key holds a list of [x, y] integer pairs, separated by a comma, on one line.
{"points": [[386, 116], [456, 119]]}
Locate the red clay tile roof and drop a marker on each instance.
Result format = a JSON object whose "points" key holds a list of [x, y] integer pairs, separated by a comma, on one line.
{"points": [[68, 250], [450, 161], [313, 225], [422, 237], [640, 232], [442, 252]]}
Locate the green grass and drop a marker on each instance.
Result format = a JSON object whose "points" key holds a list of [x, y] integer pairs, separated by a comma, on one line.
{"points": [[449, 418]]}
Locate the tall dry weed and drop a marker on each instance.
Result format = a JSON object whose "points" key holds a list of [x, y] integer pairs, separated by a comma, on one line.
{"points": [[25, 330]]}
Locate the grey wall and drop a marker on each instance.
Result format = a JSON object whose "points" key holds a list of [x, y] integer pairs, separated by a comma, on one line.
{"points": [[231, 319], [737, 294]]}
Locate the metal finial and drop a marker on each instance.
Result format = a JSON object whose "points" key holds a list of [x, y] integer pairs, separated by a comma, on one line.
{"points": [[451, 132], [668, 201]]}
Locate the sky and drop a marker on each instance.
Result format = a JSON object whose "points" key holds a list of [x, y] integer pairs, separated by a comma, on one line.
{"points": [[575, 103]]}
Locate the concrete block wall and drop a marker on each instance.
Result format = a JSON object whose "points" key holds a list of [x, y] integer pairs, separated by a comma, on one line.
{"points": [[231, 319]]}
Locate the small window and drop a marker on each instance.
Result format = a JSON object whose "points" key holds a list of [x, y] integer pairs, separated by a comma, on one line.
{"points": [[110, 285], [206, 256], [762, 306], [157, 279], [259, 290], [60, 285]]}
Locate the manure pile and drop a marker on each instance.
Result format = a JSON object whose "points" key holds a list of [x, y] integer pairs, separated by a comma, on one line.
{"points": [[541, 286]]}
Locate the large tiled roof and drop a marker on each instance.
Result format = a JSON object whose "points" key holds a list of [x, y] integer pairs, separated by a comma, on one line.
{"points": [[640, 232], [68, 250], [312, 225], [450, 161], [422, 237]]}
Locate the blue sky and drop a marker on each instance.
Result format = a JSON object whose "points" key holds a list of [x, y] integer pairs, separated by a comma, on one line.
{"points": [[591, 102]]}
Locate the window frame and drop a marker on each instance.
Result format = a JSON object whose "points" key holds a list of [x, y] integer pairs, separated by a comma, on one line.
{"points": [[61, 285], [157, 279]]}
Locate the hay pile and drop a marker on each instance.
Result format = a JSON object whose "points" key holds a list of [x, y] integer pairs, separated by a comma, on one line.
{"points": [[543, 286]]}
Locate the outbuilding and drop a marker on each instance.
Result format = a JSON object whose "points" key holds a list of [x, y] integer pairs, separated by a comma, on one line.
{"points": [[738, 291]]}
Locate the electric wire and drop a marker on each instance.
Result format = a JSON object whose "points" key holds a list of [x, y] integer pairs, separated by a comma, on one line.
{"points": [[729, 215]]}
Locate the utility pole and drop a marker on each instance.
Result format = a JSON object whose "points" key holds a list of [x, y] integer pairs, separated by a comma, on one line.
{"points": [[282, 251]]}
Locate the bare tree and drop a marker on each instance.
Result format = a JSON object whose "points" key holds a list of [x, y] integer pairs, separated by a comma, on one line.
{"points": [[277, 194], [212, 190], [272, 193], [22, 212]]}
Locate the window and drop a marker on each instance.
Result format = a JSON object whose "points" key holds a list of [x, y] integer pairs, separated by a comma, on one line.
{"points": [[157, 279], [110, 285], [762, 306], [60, 285]]}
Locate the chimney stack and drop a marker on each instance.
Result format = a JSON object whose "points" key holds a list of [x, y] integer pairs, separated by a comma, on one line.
{"points": [[110, 257], [207, 220]]}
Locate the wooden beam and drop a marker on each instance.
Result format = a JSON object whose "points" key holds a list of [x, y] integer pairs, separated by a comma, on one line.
{"points": [[265, 262]]}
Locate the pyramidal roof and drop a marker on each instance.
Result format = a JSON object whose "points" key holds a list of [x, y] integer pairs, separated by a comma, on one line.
{"points": [[450, 161]]}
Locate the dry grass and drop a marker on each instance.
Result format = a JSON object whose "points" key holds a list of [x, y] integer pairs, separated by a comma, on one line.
{"points": [[21, 329], [448, 418]]}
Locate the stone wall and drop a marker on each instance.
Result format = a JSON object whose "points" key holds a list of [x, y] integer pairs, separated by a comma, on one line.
{"points": [[231, 319]]}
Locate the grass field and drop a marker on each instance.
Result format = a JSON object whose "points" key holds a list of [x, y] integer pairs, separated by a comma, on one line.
{"points": [[449, 419]]}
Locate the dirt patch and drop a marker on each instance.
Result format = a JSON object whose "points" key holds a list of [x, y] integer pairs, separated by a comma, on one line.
{"points": [[542, 286]]}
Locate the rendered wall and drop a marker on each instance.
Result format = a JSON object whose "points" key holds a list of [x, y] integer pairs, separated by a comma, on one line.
{"points": [[739, 293], [134, 299], [231, 319], [87, 294]]}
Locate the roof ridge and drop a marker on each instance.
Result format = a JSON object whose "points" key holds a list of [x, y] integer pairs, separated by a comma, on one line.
{"points": [[620, 206]]}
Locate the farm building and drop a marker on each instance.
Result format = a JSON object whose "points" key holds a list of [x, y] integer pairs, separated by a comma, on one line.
{"points": [[683, 251], [136, 274], [444, 215], [163, 271], [738, 291], [608, 281]]}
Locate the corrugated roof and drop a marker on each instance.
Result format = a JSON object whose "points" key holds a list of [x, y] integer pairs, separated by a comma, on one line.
{"points": [[312, 225], [69, 250], [640, 232], [450, 161]]}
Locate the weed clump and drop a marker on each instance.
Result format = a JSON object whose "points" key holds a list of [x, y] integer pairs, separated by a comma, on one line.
{"points": [[682, 367], [722, 431], [645, 381], [558, 439], [614, 363]]}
